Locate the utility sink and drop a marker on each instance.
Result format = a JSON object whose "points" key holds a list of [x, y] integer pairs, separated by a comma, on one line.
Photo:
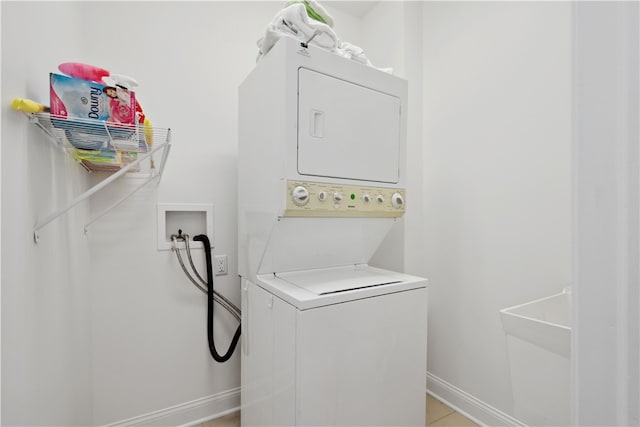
{"points": [[545, 322], [538, 338]]}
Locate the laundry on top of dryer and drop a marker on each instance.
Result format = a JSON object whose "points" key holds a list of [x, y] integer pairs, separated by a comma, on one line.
{"points": [[309, 23], [294, 21], [315, 11]]}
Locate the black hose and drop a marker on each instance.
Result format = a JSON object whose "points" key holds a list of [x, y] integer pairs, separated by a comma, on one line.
{"points": [[212, 346]]}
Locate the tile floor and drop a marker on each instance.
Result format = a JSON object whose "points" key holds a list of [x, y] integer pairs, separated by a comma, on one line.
{"points": [[438, 415]]}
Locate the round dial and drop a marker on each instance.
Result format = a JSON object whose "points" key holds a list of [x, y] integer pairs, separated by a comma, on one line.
{"points": [[322, 196], [380, 198], [300, 195], [397, 200], [366, 198], [337, 196]]}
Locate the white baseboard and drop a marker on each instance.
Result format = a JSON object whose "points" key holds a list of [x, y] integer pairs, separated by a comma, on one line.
{"points": [[189, 413], [468, 405], [217, 405]]}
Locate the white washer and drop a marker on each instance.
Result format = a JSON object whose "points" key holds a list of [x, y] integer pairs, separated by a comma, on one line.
{"points": [[326, 339], [334, 347]]}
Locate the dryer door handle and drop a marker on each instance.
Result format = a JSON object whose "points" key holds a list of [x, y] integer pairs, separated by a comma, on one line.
{"points": [[316, 124]]}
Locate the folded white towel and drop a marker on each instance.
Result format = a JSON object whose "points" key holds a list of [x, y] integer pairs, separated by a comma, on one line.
{"points": [[352, 51], [356, 53]]}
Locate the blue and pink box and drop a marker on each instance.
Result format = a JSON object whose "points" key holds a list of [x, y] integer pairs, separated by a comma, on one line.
{"points": [[94, 116]]}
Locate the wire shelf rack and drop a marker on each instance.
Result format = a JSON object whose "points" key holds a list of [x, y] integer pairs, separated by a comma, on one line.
{"points": [[117, 148]]}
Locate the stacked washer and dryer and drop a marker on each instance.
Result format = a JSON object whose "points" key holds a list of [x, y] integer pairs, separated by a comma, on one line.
{"points": [[327, 339]]}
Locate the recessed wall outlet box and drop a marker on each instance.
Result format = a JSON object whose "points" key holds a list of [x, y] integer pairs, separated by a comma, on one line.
{"points": [[192, 219]]}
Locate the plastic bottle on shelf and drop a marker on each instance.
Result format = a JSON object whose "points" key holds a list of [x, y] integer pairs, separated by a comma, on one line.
{"points": [[28, 106], [83, 71], [121, 80], [127, 83]]}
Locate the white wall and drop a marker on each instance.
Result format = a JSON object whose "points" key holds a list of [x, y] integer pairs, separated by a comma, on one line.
{"points": [[497, 180], [46, 318]]}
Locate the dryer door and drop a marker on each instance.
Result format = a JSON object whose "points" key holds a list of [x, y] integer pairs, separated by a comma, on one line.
{"points": [[346, 130]]}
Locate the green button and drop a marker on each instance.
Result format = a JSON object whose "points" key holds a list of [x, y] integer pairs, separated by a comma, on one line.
{"points": [[353, 196]]}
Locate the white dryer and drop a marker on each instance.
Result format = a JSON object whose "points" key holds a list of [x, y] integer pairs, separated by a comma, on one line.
{"points": [[327, 339]]}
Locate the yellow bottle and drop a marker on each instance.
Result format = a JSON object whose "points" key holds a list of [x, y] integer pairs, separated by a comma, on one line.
{"points": [[28, 106], [148, 134]]}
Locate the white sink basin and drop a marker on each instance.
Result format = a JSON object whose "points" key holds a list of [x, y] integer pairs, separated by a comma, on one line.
{"points": [[545, 322]]}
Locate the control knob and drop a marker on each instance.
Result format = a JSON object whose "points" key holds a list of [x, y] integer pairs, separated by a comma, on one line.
{"points": [[397, 200], [380, 198], [300, 195], [366, 198], [322, 196], [337, 197]]}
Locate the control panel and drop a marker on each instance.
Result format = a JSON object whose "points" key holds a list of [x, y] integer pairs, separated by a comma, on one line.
{"points": [[336, 200]]}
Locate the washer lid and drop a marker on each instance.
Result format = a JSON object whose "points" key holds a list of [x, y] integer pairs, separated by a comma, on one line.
{"points": [[336, 280], [309, 289]]}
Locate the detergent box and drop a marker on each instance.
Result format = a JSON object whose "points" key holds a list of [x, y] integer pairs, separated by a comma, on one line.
{"points": [[93, 115], [106, 160]]}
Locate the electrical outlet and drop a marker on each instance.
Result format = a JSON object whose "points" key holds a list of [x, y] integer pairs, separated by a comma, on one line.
{"points": [[220, 265]]}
